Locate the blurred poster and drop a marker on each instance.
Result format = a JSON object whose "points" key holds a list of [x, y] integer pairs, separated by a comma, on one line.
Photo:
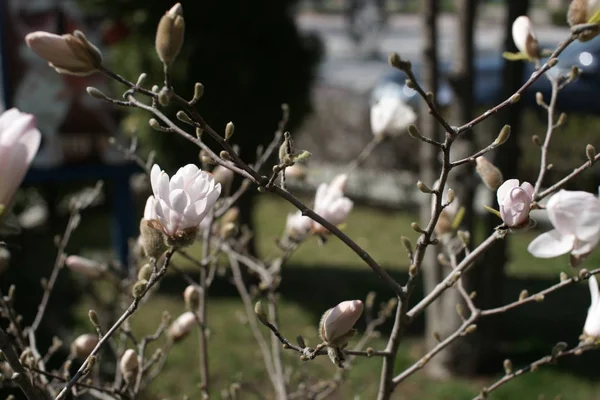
{"points": [[75, 126]]}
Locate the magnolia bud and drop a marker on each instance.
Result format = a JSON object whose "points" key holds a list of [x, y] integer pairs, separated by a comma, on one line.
{"points": [[231, 215], [224, 176], [191, 295], [90, 268], [129, 365], [539, 98], [4, 259], [260, 313], [145, 272], [503, 135], [590, 152], [583, 12], [228, 230], [336, 323], [139, 288], [153, 240], [229, 129], [182, 326], [170, 34], [83, 345], [489, 174]]}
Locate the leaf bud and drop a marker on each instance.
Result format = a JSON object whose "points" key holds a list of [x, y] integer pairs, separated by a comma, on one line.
{"points": [[523, 295], [590, 152], [508, 367], [260, 313], [229, 129], [145, 272], [539, 99], [139, 288], [503, 135]]}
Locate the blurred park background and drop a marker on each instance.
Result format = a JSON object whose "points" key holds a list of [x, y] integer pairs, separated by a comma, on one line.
{"points": [[326, 59]]}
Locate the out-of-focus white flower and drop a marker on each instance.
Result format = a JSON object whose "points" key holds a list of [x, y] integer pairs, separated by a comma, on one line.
{"points": [[180, 204], [337, 322], [83, 345], [591, 328], [524, 37], [19, 142], [515, 202], [90, 268], [67, 54], [129, 365], [331, 204], [391, 116], [182, 326], [575, 216], [297, 225]]}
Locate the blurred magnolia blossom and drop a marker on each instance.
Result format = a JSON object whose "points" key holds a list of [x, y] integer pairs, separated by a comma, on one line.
{"points": [[331, 204], [337, 322], [591, 329], [67, 54], [391, 115], [297, 226], [129, 365], [179, 204], [19, 142], [515, 202], [575, 216], [83, 345], [182, 326], [524, 37], [90, 268]]}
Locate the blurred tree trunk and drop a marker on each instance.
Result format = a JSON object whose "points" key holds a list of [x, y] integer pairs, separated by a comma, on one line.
{"points": [[491, 273], [462, 356]]}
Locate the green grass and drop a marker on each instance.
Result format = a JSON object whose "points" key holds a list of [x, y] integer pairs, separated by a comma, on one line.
{"points": [[319, 276]]}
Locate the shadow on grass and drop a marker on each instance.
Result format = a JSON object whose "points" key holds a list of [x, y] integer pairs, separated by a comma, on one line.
{"points": [[525, 333]]}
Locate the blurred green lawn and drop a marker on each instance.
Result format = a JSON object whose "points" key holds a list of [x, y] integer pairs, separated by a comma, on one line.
{"points": [[318, 277]]}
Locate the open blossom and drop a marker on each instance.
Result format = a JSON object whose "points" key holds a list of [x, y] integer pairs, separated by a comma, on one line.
{"points": [[515, 202], [67, 54], [338, 321], [19, 142], [331, 204], [592, 322], [524, 37], [391, 116], [297, 225], [575, 216], [180, 203]]}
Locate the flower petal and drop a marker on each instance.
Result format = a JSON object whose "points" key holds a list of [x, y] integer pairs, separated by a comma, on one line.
{"points": [[505, 188], [551, 244]]}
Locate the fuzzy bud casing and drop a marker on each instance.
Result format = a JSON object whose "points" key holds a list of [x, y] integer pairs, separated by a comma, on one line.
{"points": [[129, 365], [170, 35], [489, 173], [180, 328], [191, 296]]}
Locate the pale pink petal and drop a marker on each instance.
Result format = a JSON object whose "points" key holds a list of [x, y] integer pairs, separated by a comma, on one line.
{"points": [[505, 188], [551, 244]]}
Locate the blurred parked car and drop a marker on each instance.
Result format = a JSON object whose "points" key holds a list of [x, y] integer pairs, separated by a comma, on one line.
{"points": [[579, 96]]}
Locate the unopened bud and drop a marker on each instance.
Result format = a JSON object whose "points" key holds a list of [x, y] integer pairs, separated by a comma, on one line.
{"points": [[4, 259], [413, 131], [183, 117], [83, 345], [451, 196], [423, 187], [563, 276], [416, 227], [96, 93], [229, 129], [260, 313], [590, 152], [224, 176], [539, 298], [460, 311], [198, 92], [145, 272], [503, 135], [552, 62], [170, 34], [225, 155], [515, 98], [370, 351], [129, 365], [523, 295], [562, 118], [152, 239], [437, 336], [90, 268], [191, 296], [508, 367], [180, 328], [539, 99], [490, 175], [406, 243], [139, 288], [231, 215], [412, 270], [141, 79], [536, 140], [471, 329], [228, 230], [164, 97]]}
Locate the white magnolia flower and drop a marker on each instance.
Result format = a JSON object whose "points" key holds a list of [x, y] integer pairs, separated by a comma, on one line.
{"points": [[391, 116], [19, 143], [592, 322], [338, 321], [515, 202], [180, 204], [524, 37], [331, 204], [575, 216], [297, 225]]}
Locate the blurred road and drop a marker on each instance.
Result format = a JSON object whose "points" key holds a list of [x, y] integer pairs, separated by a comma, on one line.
{"points": [[342, 66]]}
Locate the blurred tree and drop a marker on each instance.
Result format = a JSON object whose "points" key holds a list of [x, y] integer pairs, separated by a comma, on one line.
{"points": [[249, 55]]}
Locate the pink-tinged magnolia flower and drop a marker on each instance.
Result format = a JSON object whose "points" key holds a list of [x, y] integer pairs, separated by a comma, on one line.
{"points": [[182, 326], [338, 321], [180, 204], [391, 116], [331, 204], [515, 202], [591, 328], [90, 268], [19, 142], [67, 54], [575, 216], [297, 225], [524, 37]]}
